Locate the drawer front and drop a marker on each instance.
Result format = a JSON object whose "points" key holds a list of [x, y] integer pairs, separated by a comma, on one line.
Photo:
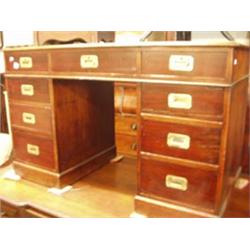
{"points": [[186, 101], [36, 118], [26, 89], [204, 64], [105, 60], [126, 144], [182, 141], [126, 125], [26, 61], [33, 149], [186, 185]]}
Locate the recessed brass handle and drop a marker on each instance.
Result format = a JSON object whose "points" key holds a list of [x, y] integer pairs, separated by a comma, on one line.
{"points": [[29, 118], [176, 182], [179, 101], [178, 141], [27, 89], [181, 63], [25, 62], [33, 149], [89, 61], [134, 126]]}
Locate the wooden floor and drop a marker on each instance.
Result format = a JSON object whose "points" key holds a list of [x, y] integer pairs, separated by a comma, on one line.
{"points": [[108, 192]]}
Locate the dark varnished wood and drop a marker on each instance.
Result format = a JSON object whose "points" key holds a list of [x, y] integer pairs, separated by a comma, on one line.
{"points": [[210, 63], [42, 116], [126, 144], [126, 124], [40, 61], [204, 142], [84, 118], [236, 126], [211, 128], [201, 184], [40, 87], [45, 159], [109, 61], [207, 102], [92, 195]]}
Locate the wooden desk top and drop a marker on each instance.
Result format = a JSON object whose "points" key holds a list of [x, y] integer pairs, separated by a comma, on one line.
{"points": [[106, 193], [206, 43]]}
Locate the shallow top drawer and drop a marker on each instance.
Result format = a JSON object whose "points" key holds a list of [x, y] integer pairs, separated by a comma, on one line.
{"points": [[26, 61], [206, 64], [104, 60], [183, 100], [28, 89]]}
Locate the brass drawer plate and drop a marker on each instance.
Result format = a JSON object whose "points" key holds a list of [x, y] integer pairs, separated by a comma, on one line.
{"points": [[178, 141], [27, 89], [25, 62], [179, 101], [176, 182], [29, 118], [181, 63], [33, 149], [89, 61]]}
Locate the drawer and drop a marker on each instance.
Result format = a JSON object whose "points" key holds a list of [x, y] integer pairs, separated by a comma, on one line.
{"points": [[126, 144], [126, 125], [27, 117], [33, 149], [104, 60], [191, 186], [28, 89], [26, 61], [181, 141], [198, 64], [181, 100]]}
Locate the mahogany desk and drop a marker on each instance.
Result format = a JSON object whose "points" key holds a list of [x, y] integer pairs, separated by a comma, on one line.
{"points": [[192, 106]]}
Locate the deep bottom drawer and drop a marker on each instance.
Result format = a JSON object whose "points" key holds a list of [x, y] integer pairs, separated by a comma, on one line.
{"points": [[33, 149], [190, 186]]}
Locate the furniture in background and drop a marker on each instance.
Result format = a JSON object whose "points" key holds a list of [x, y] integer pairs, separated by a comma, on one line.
{"points": [[57, 37]]}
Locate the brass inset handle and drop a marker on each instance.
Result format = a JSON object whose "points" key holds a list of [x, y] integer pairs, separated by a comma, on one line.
{"points": [[89, 61], [176, 182], [29, 118], [33, 149], [178, 141], [25, 62], [27, 89], [134, 126], [181, 63], [179, 101]]}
